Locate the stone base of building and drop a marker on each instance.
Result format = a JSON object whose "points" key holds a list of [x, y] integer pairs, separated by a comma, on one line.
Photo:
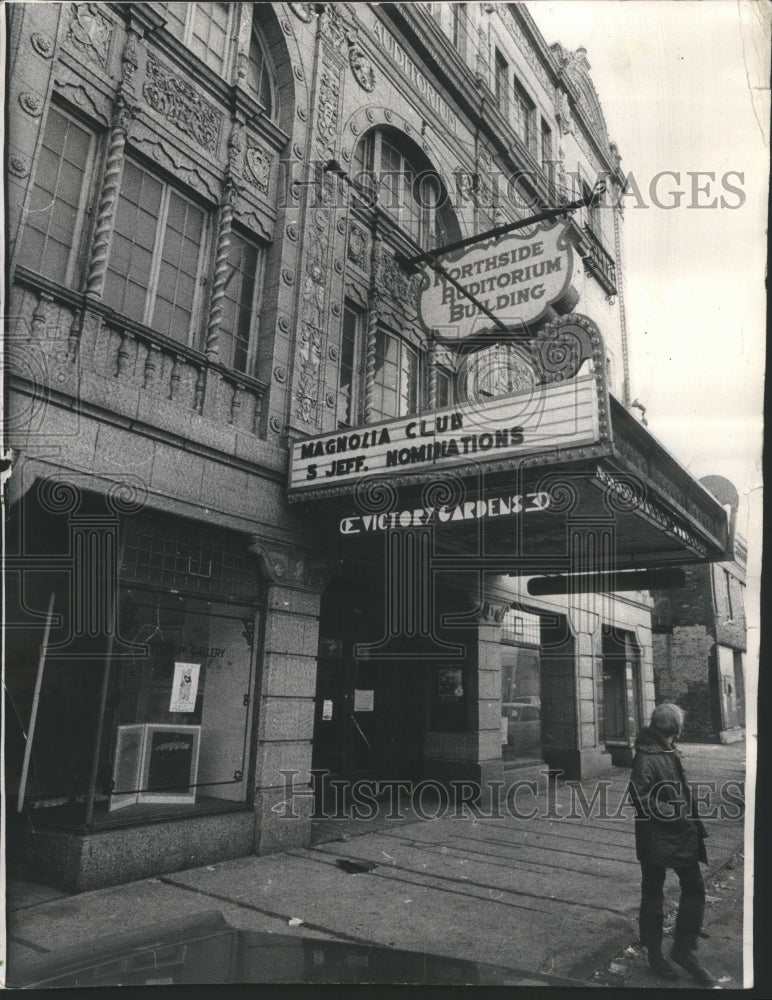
{"points": [[621, 756], [593, 762], [282, 823], [78, 861], [485, 775], [734, 735]]}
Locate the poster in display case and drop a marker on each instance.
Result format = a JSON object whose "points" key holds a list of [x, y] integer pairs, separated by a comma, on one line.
{"points": [[155, 763]]}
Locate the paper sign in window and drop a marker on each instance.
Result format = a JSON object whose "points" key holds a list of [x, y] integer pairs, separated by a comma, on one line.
{"points": [[184, 687], [364, 701]]}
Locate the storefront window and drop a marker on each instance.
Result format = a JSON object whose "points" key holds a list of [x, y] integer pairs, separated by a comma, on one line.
{"points": [[520, 687], [179, 714], [138, 721]]}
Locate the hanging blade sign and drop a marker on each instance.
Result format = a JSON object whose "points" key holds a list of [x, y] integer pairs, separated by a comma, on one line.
{"points": [[517, 277]]}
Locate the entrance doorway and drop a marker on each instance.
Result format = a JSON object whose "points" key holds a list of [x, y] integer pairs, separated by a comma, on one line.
{"points": [[520, 687], [621, 687], [370, 715]]}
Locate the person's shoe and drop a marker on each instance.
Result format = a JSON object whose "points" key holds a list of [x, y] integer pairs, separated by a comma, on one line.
{"points": [[688, 962], [660, 966]]}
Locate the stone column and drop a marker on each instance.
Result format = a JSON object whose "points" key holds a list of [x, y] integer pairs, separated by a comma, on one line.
{"points": [[123, 112], [485, 691], [475, 754], [570, 708], [285, 694]]}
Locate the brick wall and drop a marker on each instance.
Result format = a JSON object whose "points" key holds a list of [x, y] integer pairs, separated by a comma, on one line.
{"points": [[682, 673]]}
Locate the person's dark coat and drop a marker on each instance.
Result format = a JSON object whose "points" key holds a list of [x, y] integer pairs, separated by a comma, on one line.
{"points": [[667, 830]]}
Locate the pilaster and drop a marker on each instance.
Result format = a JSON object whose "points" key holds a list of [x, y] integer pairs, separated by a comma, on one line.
{"points": [[285, 692]]}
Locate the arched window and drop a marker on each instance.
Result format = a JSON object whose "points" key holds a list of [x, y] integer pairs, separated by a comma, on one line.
{"points": [[261, 78], [399, 178]]}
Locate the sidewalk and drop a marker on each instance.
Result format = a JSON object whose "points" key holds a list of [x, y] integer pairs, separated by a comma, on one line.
{"points": [[553, 895]]}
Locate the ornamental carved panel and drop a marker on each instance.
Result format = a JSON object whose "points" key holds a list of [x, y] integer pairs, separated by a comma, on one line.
{"points": [[89, 32], [174, 99], [258, 166]]}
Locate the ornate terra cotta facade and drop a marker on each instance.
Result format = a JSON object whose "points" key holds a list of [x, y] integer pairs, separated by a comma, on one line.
{"points": [[210, 209]]}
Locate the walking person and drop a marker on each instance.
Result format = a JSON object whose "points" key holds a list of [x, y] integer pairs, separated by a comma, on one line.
{"points": [[668, 834]]}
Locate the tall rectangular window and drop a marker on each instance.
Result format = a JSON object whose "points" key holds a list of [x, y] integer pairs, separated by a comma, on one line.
{"points": [[349, 383], [546, 149], [203, 27], [728, 594], [501, 82], [395, 393], [458, 27], [57, 203], [158, 243], [525, 117], [241, 302], [444, 387]]}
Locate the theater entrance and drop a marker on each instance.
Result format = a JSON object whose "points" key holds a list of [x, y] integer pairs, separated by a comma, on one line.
{"points": [[369, 715]]}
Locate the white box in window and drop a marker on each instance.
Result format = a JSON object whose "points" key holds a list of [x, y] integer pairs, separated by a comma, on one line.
{"points": [[129, 748]]}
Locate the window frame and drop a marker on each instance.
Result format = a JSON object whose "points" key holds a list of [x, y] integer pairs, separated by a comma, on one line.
{"points": [[546, 145], [76, 256], [200, 279], [518, 628], [255, 306], [357, 388], [443, 373], [524, 116], [415, 388], [187, 35], [257, 37], [458, 28], [501, 81], [369, 177]]}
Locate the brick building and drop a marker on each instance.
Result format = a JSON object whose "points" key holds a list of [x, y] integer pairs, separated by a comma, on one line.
{"points": [[700, 640], [211, 212]]}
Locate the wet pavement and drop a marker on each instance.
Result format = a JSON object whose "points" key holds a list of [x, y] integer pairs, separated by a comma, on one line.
{"points": [[205, 950], [554, 895]]}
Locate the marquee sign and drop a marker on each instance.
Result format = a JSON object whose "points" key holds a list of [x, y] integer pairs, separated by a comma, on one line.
{"points": [[561, 415], [517, 277], [497, 505]]}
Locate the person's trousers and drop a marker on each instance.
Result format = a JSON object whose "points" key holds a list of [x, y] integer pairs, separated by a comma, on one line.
{"points": [[690, 908]]}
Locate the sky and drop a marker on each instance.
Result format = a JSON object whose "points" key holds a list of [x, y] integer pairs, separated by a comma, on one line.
{"points": [[683, 89]]}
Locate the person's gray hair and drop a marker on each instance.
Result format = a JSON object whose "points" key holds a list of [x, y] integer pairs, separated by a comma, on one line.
{"points": [[667, 719]]}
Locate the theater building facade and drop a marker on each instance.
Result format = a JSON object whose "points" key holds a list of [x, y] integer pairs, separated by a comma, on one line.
{"points": [[283, 497]]}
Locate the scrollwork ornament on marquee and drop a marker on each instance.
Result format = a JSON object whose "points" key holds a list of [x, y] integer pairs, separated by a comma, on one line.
{"points": [[561, 347]]}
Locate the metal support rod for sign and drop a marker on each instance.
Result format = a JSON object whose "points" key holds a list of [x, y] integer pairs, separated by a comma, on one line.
{"points": [[509, 227], [435, 265], [333, 167], [35, 703]]}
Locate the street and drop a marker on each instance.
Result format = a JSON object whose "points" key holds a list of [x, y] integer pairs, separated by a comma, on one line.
{"points": [[549, 896]]}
